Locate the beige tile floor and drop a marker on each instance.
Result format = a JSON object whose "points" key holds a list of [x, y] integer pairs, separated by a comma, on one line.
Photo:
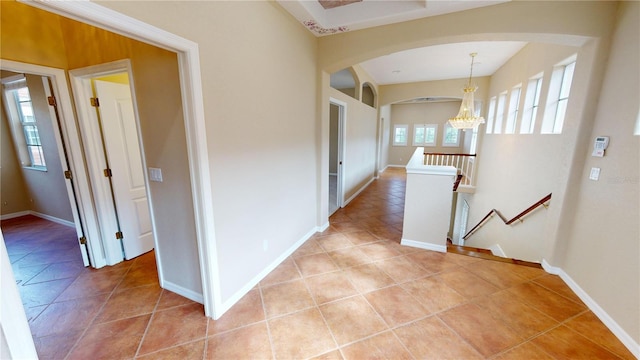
{"points": [[351, 292]]}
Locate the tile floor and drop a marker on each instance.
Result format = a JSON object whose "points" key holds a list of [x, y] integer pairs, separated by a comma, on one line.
{"points": [[352, 292]]}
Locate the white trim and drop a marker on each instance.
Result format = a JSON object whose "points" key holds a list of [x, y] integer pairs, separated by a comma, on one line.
{"points": [[342, 145], [193, 105], [423, 245], [323, 227], [358, 192], [15, 215], [53, 219], [189, 294], [496, 250], [83, 213], [14, 327], [626, 339], [253, 282], [395, 166]]}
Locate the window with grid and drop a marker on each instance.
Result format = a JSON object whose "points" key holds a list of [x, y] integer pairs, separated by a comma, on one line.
{"points": [[558, 98], [400, 135], [424, 134], [451, 136], [531, 103], [514, 105], [23, 120]]}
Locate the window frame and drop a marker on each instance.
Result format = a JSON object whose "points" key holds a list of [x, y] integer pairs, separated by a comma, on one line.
{"points": [[491, 115], [558, 97], [425, 127], [514, 109], [500, 110], [20, 127], [397, 127], [531, 104], [445, 143]]}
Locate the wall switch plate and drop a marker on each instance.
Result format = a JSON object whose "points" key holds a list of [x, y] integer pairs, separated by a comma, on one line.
{"points": [[155, 174], [595, 174]]}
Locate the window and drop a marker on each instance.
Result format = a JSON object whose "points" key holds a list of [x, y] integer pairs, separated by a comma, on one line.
{"points": [[514, 105], [23, 121], [491, 115], [451, 136], [400, 135], [474, 141], [531, 102], [497, 126], [424, 134], [558, 97]]}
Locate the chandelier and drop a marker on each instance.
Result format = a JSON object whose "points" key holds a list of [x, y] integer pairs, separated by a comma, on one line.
{"points": [[466, 118]]}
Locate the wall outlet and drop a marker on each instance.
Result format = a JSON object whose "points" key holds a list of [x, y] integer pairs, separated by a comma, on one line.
{"points": [[265, 245]]}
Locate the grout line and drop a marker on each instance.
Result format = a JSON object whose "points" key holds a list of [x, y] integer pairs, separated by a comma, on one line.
{"points": [[266, 320]]}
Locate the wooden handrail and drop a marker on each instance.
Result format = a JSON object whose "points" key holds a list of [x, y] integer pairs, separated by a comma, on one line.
{"points": [[428, 153], [508, 222]]}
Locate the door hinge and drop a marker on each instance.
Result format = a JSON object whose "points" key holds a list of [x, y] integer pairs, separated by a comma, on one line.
{"points": [[67, 174], [51, 100], [107, 173], [83, 240], [119, 235], [95, 102]]}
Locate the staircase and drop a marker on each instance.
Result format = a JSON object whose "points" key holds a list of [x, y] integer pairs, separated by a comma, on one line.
{"points": [[486, 254]]}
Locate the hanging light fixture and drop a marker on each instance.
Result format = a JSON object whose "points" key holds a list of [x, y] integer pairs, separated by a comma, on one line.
{"points": [[466, 118]]}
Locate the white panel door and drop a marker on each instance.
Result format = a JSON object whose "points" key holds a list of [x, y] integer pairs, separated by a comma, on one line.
{"points": [[123, 150]]}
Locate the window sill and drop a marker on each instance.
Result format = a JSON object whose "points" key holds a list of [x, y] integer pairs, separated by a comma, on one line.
{"points": [[36, 168]]}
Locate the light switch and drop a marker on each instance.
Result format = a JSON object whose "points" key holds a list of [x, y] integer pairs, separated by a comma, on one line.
{"points": [[595, 174], [155, 174]]}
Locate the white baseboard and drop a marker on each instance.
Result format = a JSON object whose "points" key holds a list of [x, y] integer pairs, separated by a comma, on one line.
{"points": [[15, 215], [189, 294], [323, 227], [396, 166], [423, 245], [497, 250], [53, 219], [358, 192], [618, 331], [226, 305], [333, 174], [40, 215]]}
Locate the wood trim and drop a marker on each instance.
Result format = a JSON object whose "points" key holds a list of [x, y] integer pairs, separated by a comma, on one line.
{"points": [[508, 222]]}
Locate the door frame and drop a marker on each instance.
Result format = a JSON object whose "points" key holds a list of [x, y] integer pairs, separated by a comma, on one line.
{"points": [[81, 203], [193, 106], [342, 117], [93, 145]]}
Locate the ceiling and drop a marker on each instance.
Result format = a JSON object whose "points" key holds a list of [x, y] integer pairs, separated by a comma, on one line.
{"points": [[440, 62]]}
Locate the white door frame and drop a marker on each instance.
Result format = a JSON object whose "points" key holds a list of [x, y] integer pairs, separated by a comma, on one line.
{"points": [[342, 119], [88, 119], [193, 105], [83, 212]]}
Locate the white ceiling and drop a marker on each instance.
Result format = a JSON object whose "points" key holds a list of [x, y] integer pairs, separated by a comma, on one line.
{"points": [[440, 62]]}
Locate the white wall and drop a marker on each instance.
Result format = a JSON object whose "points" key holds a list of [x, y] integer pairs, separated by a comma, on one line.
{"points": [[359, 156], [602, 247]]}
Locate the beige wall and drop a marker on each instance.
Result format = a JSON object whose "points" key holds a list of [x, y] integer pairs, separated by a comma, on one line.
{"points": [[47, 189], [34, 36], [602, 248], [359, 165], [14, 196], [516, 170], [422, 113], [262, 148]]}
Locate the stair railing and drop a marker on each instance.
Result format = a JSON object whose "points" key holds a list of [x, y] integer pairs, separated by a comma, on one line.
{"points": [[463, 162], [540, 202]]}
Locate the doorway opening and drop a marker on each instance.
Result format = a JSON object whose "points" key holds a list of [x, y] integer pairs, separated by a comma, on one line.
{"points": [[109, 127], [336, 149]]}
